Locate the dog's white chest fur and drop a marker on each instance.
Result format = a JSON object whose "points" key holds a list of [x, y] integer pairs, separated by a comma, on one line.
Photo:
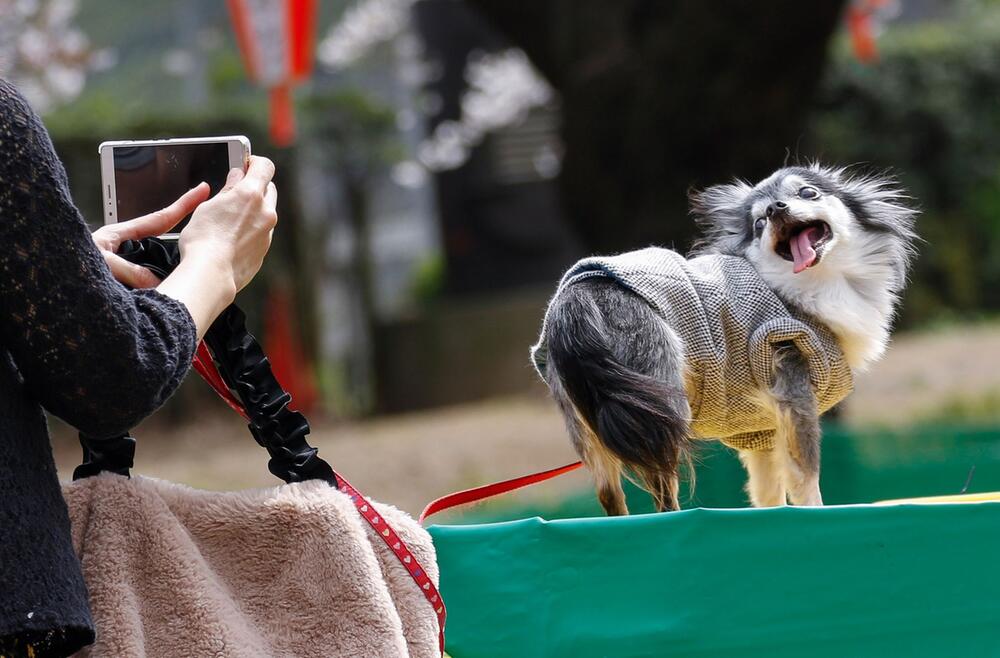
{"points": [[847, 292]]}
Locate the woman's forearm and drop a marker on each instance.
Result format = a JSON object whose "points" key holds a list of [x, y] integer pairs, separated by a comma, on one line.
{"points": [[203, 286]]}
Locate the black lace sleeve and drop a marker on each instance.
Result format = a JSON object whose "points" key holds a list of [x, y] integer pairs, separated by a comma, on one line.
{"points": [[92, 352]]}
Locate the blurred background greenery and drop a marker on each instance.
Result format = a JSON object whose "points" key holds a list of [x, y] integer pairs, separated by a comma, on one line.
{"points": [[454, 157]]}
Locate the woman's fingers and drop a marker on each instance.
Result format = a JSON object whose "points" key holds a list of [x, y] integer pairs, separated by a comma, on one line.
{"points": [[271, 198], [109, 238], [161, 221], [259, 174], [128, 273], [234, 177], [106, 238]]}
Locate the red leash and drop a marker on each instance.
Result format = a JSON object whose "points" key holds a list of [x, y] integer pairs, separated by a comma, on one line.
{"points": [[495, 489], [401, 551], [205, 366]]}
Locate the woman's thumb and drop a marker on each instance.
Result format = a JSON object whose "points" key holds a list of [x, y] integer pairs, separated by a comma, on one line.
{"points": [[131, 274]]}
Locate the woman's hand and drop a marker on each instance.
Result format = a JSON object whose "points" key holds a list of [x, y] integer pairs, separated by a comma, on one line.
{"points": [[109, 238], [233, 229], [224, 244], [222, 247]]}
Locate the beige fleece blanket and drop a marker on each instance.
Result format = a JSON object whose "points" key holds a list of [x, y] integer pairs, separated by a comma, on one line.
{"points": [[288, 571]]}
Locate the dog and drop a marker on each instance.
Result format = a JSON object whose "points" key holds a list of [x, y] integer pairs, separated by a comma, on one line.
{"points": [[791, 289]]}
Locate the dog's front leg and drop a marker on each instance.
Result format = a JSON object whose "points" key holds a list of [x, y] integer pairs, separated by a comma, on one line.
{"points": [[765, 484], [797, 441]]}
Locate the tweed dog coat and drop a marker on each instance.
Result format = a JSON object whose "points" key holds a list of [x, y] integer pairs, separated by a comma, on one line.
{"points": [[730, 323]]}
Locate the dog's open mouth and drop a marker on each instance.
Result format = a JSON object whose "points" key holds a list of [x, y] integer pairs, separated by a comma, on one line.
{"points": [[802, 243]]}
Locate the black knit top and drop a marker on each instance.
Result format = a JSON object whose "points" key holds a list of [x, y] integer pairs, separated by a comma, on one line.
{"points": [[75, 342]]}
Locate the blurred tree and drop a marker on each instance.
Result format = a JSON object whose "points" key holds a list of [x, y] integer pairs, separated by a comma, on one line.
{"points": [[930, 108], [657, 96], [356, 138]]}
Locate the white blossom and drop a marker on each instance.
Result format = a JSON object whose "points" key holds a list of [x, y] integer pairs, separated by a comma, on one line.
{"points": [[43, 53], [502, 88], [363, 26]]}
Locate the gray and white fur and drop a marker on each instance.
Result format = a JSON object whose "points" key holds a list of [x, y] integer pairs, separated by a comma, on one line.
{"points": [[616, 369]]}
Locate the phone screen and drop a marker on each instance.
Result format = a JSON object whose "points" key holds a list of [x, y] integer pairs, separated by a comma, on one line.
{"points": [[148, 178]]}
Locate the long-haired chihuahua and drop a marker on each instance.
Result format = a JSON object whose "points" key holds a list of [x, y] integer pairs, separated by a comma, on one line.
{"points": [[792, 288]]}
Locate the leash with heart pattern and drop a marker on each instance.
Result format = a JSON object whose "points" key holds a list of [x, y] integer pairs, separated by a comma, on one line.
{"points": [[400, 550], [205, 366]]}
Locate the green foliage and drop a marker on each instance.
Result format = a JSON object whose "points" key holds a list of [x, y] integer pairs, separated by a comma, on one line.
{"points": [[965, 409], [928, 107], [428, 279], [226, 74], [356, 132], [105, 115]]}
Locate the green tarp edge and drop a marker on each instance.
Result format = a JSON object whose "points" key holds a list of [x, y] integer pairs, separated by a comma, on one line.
{"points": [[908, 580]]}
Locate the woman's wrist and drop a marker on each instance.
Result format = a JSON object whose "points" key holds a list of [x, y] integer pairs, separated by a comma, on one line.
{"points": [[204, 284]]}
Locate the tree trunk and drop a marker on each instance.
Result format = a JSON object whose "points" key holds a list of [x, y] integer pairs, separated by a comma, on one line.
{"points": [[658, 96], [362, 361]]}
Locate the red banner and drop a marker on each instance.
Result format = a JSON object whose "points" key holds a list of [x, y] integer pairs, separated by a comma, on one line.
{"points": [[864, 17], [277, 41]]}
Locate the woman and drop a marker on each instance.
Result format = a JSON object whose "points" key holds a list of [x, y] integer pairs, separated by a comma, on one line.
{"points": [[76, 342]]}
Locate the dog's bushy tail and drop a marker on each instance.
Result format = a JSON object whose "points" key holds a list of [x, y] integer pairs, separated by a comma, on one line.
{"points": [[635, 403]]}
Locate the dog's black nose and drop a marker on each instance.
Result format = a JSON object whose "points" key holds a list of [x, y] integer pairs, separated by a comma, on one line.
{"points": [[777, 206]]}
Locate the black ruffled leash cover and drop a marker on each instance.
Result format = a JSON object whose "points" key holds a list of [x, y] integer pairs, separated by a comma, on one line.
{"points": [[241, 374], [245, 370]]}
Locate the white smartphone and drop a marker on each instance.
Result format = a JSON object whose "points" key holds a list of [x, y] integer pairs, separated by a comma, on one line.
{"points": [[140, 177]]}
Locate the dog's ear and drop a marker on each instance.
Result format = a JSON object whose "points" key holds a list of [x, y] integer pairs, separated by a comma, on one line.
{"points": [[721, 214]]}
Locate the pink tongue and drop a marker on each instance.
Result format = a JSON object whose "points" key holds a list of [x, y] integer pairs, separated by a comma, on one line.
{"points": [[802, 250]]}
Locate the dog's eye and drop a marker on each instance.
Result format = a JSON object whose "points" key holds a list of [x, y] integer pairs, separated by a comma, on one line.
{"points": [[808, 193], [758, 226]]}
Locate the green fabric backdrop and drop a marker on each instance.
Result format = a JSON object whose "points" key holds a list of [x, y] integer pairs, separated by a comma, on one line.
{"points": [[911, 580]]}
